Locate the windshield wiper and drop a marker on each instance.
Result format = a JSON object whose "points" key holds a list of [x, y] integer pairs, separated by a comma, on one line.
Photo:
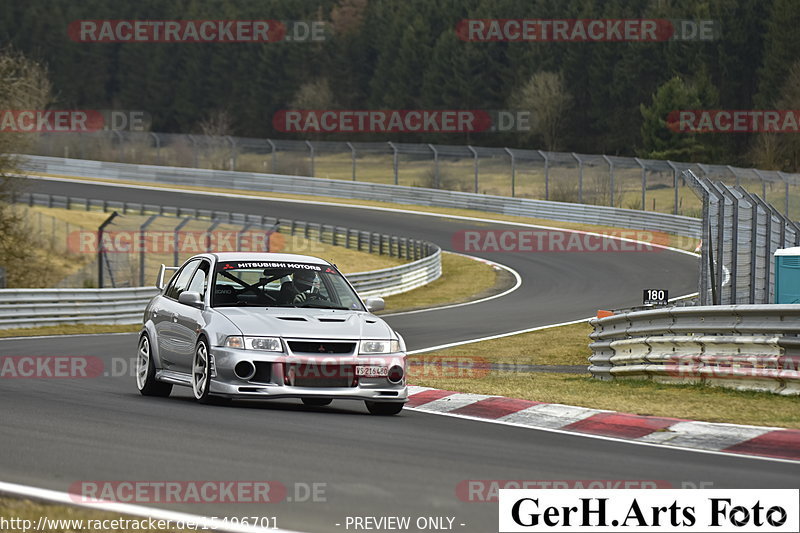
{"points": [[317, 306]]}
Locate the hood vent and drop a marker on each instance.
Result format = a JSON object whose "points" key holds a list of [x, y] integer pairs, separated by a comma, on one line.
{"points": [[292, 318], [331, 319]]}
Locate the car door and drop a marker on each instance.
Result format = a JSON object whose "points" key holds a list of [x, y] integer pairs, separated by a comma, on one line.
{"points": [[189, 320], [171, 341]]}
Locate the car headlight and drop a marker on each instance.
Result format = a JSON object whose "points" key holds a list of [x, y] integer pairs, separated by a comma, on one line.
{"points": [[379, 347], [264, 344]]}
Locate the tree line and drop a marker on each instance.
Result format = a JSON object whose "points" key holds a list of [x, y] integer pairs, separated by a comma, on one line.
{"points": [[590, 97]]}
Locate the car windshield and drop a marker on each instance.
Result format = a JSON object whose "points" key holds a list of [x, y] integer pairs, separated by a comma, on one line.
{"points": [[281, 284]]}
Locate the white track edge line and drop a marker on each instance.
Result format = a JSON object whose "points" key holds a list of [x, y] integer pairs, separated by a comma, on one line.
{"points": [[604, 437], [134, 510], [517, 285]]}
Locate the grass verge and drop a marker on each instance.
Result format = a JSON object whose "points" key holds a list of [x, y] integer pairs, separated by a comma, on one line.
{"points": [[463, 279], [568, 345], [68, 519], [564, 345]]}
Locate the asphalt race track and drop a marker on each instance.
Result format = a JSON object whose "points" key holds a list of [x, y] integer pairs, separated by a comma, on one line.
{"points": [[56, 432]]}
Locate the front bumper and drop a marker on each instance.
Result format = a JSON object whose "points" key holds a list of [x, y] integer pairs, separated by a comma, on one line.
{"points": [[280, 375]]}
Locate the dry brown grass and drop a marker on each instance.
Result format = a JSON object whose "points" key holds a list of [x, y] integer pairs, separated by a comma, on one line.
{"points": [[462, 280], [563, 345]]}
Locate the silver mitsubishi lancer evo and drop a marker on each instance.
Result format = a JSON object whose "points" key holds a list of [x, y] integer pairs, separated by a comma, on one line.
{"points": [[237, 325]]}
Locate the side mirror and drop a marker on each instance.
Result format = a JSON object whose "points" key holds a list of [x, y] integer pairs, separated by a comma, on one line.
{"points": [[191, 298], [375, 304]]}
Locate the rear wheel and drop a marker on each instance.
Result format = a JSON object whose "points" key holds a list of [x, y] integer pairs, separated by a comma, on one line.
{"points": [[146, 372], [384, 408], [317, 402]]}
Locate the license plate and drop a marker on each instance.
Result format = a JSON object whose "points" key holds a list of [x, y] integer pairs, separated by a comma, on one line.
{"points": [[372, 371]]}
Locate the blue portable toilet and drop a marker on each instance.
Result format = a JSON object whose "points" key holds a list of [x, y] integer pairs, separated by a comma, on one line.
{"points": [[787, 275]]}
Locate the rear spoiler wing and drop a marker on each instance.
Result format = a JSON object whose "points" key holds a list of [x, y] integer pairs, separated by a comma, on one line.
{"points": [[161, 271]]}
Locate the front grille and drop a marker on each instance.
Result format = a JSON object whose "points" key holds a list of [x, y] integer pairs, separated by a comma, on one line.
{"points": [[322, 347], [319, 376]]}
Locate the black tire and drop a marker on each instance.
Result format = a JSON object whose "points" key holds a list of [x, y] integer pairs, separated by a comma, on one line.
{"points": [[384, 408], [317, 402], [146, 371], [201, 372]]}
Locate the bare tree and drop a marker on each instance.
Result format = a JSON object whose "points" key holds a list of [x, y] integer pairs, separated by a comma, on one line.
{"points": [[314, 95], [217, 124], [217, 150], [545, 96], [24, 84], [781, 150]]}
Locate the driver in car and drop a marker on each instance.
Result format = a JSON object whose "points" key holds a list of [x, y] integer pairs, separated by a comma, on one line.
{"points": [[299, 288]]}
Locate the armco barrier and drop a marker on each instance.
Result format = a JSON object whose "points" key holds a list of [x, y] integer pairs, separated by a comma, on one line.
{"points": [[738, 346], [561, 211], [26, 308]]}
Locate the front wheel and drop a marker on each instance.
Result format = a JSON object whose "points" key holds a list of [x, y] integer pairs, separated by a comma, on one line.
{"points": [[146, 372], [201, 372], [384, 408]]}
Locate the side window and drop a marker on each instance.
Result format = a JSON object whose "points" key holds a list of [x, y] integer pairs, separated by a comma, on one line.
{"points": [[200, 280], [181, 280]]}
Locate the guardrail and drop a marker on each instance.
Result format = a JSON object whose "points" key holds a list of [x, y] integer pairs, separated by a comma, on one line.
{"points": [[736, 346], [561, 211], [26, 308], [395, 280]]}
